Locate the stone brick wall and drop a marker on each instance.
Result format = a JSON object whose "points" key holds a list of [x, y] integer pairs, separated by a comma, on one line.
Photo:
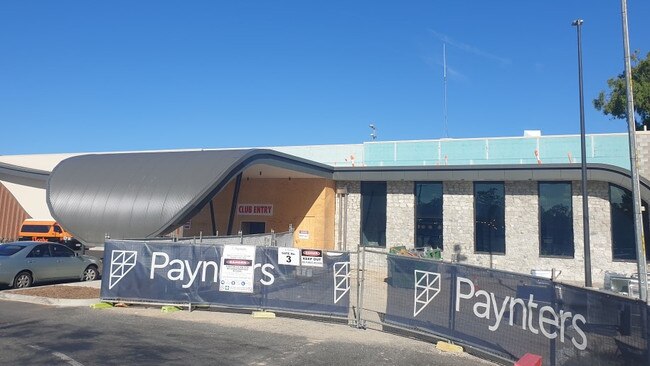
{"points": [[400, 214], [458, 221], [643, 153], [353, 197], [521, 226], [522, 232]]}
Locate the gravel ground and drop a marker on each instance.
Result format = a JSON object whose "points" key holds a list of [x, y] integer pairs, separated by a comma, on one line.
{"points": [[60, 292]]}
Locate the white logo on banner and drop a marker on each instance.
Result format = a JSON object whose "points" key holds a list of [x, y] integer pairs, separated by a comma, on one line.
{"points": [[427, 286], [122, 262], [341, 280]]}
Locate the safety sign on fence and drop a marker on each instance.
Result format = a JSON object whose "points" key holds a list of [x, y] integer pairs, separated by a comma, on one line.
{"points": [[228, 275], [237, 269]]}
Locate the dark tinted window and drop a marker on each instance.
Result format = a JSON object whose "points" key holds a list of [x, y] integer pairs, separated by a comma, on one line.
{"points": [[373, 214], [489, 212], [57, 229], [555, 219], [622, 214], [61, 251], [248, 228], [39, 251], [9, 249], [36, 228], [428, 215]]}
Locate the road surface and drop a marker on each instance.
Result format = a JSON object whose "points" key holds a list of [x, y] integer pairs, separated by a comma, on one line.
{"points": [[33, 334]]}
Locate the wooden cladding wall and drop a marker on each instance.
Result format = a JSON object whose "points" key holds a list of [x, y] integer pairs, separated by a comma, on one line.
{"points": [[12, 215]]}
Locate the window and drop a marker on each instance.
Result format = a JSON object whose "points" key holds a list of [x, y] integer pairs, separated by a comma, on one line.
{"points": [[489, 217], [35, 228], [7, 250], [40, 251], [555, 219], [622, 215], [373, 214], [428, 215], [61, 251], [248, 228]]}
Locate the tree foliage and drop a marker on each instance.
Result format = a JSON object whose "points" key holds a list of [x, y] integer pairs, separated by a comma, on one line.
{"points": [[614, 102]]}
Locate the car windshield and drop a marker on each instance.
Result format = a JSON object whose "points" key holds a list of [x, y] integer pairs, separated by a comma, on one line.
{"points": [[10, 249]]}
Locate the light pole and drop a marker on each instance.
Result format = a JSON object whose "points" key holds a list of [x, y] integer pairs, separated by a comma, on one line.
{"points": [[583, 149], [636, 193]]}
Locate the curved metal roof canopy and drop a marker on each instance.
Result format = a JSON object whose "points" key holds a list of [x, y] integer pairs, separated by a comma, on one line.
{"points": [[137, 195], [513, 172]]}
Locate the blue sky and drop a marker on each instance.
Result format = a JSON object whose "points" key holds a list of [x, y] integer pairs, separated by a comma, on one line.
{"points": [[80, 76]]}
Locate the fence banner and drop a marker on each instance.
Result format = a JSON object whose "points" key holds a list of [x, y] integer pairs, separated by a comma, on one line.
{"points": [[510, 315], [166, 272]]}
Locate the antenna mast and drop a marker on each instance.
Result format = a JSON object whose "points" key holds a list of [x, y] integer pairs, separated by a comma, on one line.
{"points": [[444, 74]]}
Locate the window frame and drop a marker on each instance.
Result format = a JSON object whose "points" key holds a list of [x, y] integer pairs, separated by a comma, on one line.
{"points": [[415, 213], [9, 245], [36, 228], [474, 201], [539, 220], [47, 248], [645, 218], [362, 215], [61, 249]]}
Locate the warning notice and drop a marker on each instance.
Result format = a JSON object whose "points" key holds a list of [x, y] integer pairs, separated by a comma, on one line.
{"points": [[237, 270], [311, 257]]}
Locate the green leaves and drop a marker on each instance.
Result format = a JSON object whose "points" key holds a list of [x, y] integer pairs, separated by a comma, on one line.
{"points": [[614, 101]]}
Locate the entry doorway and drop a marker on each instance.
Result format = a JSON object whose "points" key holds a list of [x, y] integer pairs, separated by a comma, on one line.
{"points": [[252, 227]]}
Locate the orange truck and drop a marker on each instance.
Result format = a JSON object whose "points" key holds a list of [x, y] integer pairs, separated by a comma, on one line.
{"points": [[48, 231]]}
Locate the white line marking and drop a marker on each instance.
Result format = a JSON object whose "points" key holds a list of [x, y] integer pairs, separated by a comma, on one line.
{"points": [[58, 355]]}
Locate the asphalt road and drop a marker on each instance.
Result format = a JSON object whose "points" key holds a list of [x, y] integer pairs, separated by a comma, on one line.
{"points": [[40, 335]]}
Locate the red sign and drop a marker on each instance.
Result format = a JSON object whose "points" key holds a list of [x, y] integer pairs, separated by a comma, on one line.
{"points": [[254, 209]]}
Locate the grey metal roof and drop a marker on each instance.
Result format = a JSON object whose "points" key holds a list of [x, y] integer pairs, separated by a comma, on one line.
{"points": [[516, 172], [137, 195], [23, 176]]}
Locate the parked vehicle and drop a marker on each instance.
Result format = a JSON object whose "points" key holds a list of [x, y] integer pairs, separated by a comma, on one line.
{"points": [[49, 231], [23, 263]]}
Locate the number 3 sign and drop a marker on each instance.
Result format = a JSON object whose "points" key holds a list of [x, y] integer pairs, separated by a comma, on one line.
{"points": [[288, 256]]}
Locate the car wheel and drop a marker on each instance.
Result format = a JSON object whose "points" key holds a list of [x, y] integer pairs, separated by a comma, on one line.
{"points": [[90, 274], [23, 279]]}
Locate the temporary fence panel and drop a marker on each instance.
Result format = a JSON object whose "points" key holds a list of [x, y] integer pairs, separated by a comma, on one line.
{"points": [[616, 329], [306, 281], [505, 314], [284, 239], [371, 286]]}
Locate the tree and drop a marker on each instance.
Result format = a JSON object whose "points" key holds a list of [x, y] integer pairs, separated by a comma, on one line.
{"points": [[614, 102]]}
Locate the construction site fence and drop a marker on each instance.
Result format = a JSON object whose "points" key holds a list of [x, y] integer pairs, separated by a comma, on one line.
{"points": [[504, 314], [501, 313], [272, 239], [234, 276]]}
